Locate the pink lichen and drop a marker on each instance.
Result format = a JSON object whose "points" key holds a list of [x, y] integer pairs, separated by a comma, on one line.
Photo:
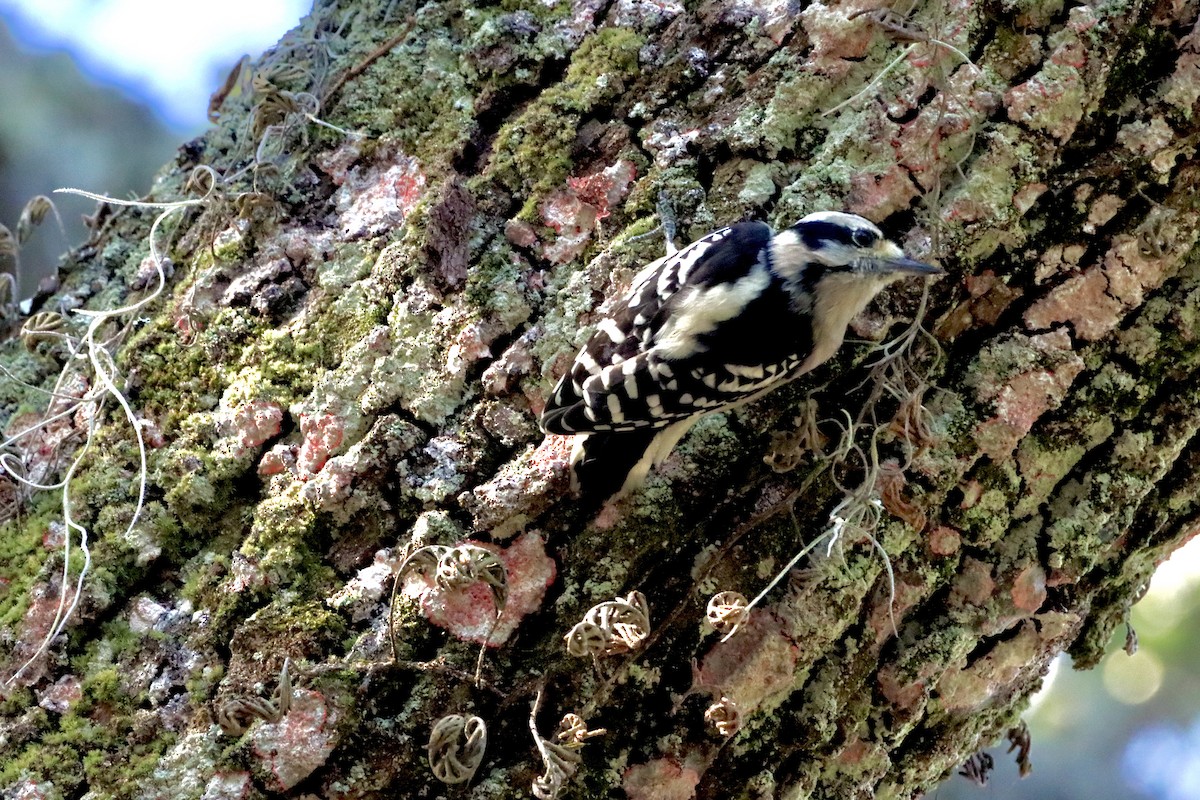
{"points": [[322, 435], [606, 188], [1021, 403], [904, 694], [660, 779], [974, 585], [1022, 399], [1104, 209], [1050, 101], [336, 163], [300, 742], [44, 441], [888, 609], [751, 667], [1029, 588], [1095, 302], [520, 233], [921, 145], [1182, 88], [879, 195], [40, 617], [332, 491], [376, 198], [1146, 138], [471, 344], [1055, 98], [574, 212], [1058, 259], [835, 39], [944, 541], [859, 751], [256, 422], [969, 688], [1027, 195], [279, 459], [470, 613]]}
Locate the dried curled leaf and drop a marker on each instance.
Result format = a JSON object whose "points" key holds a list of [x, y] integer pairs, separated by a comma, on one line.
{"points": [[612, 627], [898, 27], [724, 716], [456, 747], [891, 482], [1019, 739], [43, 326], [573, 731], [978, 768], [727, 611], [787, 448], [235, 714], [8, 245], [560, 761], [457, 568], [32, 215]]}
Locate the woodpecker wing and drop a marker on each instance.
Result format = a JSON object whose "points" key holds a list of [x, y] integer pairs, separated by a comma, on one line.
{"points": [[678, 343]]}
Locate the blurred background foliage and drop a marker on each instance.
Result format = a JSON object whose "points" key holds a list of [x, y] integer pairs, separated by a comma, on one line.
{"points": [[1128, 729], [59, 128]]}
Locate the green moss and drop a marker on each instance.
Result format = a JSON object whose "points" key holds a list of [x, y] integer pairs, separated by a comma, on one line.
{"points": [[176, 380], [102, 686], [289, 625], [533, 153], [416, 95], [193, 490], [284, 542], [17, 700], [125, 776], [282, 519], [599, 69], [45, 762], [22, 555]]}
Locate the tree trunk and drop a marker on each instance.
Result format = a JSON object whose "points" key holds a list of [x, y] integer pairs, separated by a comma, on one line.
{"points": [[412, 220]]}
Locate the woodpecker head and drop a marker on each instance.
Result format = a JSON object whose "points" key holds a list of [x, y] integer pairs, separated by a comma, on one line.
{"points": [[833, 264], [848, 244]]}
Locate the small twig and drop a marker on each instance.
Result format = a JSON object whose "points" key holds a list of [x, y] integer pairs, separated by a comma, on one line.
{"points": [[362, 66]]}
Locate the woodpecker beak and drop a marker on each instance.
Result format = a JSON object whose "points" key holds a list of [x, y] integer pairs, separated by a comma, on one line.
{"points": [[907, 266]]}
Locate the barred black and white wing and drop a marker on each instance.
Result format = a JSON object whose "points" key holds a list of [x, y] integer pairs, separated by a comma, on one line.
{"points": [[700, 330], [672, 347]]}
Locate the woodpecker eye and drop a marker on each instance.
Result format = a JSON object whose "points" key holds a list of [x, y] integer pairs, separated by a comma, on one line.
{"points": [[863, 238]]}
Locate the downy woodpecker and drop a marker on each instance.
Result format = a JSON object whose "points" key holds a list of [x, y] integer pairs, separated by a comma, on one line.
{"points": [[727, 319]]}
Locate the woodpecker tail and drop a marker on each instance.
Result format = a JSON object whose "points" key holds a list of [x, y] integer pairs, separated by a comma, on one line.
{"points": [[613, 464]]}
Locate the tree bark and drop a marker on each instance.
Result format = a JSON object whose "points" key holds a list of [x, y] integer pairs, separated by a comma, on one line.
{"points": [[413, 218]]}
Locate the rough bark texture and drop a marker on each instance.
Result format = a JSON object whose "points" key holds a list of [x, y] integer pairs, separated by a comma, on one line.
{"points": [[362, 325]]}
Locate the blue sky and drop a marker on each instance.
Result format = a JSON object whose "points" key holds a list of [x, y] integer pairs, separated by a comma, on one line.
{"points": [[170, 54]]}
